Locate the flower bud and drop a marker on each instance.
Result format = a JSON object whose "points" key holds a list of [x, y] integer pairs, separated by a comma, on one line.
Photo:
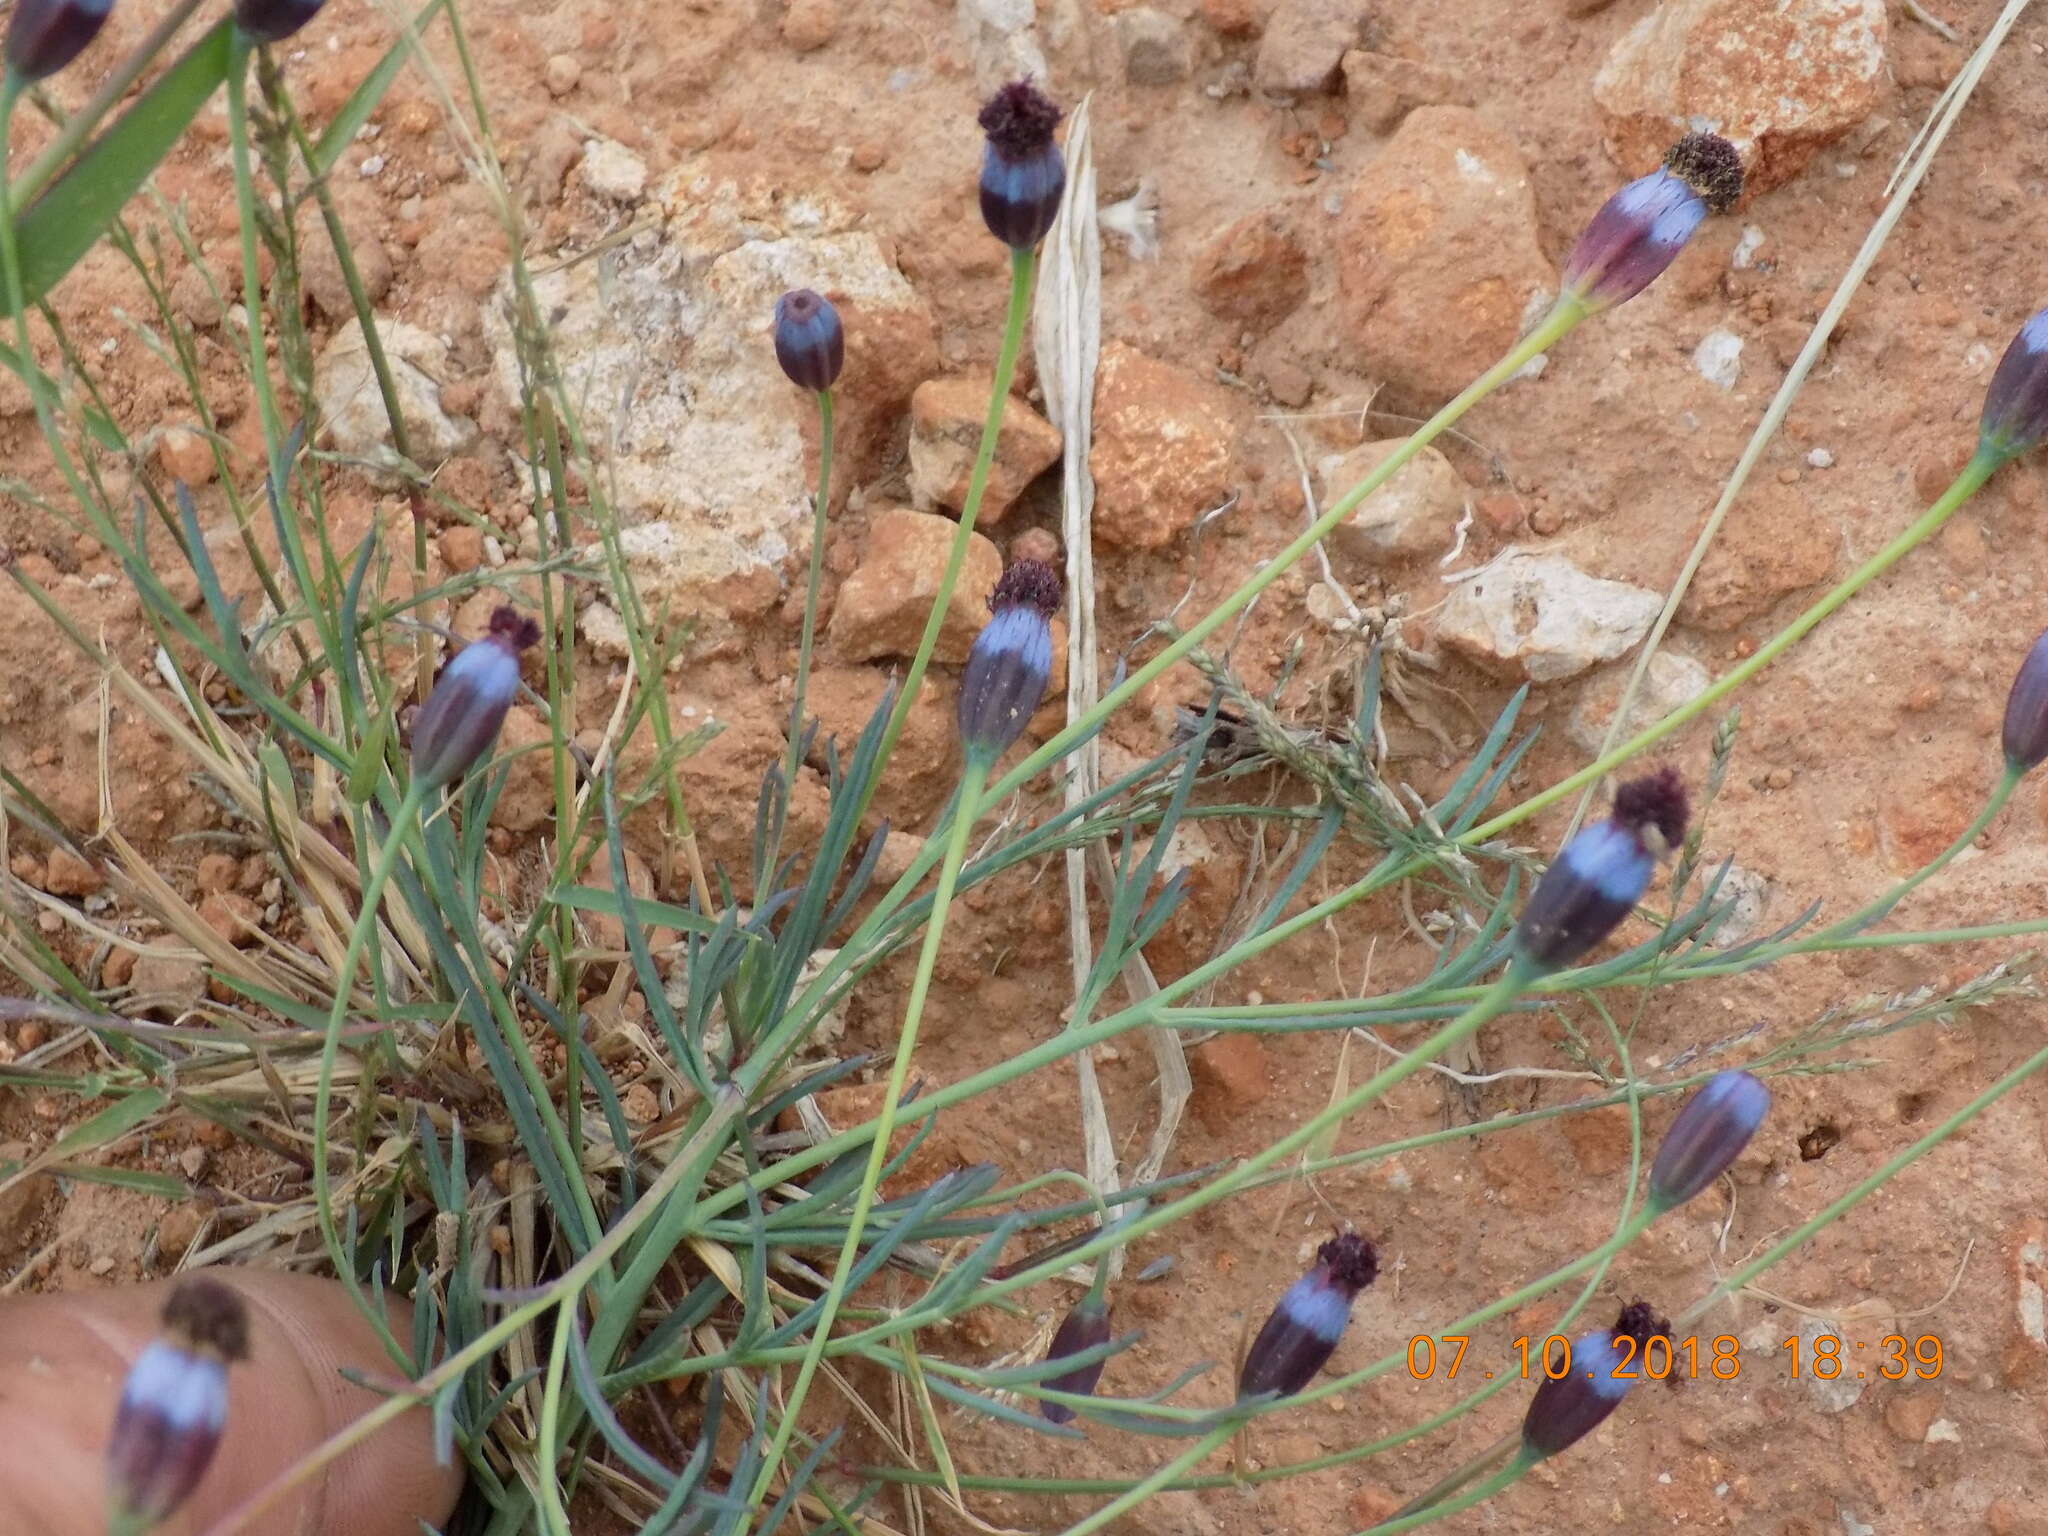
{"points": [[1086, 1327], [1640, 230], [45, 35], [460, 721], [2015, 417], [1708, 1134], [809, 341], [1601, 874], [174, 1404], [1567, 1408], [2026, 711], [270, 21], [1022, 171], [1302, 1333], [1006, 671]]}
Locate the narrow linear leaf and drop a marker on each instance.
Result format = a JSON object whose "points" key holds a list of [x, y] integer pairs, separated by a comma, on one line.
{"points": [[364, 99]]}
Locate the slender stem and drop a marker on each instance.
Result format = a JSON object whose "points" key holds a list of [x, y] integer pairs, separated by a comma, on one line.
{"points": [[1980, 468], [548, 1444], [1023, 264], [1140, 1492], [813, 582], [1554, 327], [1449, 1484], [344, 983], [885, 1120], [1510, 1473], [1878, 909]]}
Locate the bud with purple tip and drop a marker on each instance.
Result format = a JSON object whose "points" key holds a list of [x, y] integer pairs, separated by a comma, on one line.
{"points": [[2026, 711], [1086, 1327], [1567, 1408], [1600, 875], [174, 1404], [1640, 230], [270, 21], [809, 341], [45, 35], [1007, 670], [1708, 1135], [1022, 170], [2015, 417], [1302, 1334], [462, 716]]}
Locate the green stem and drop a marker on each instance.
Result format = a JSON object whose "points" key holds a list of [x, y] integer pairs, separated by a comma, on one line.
{"points": [[813, 582], [885, 1120], [1510, 1473], [1554, 327], [344, 983], [1140, 1492], [1023, 263], [1879, 909], [547, 1448], [1982, 465]]}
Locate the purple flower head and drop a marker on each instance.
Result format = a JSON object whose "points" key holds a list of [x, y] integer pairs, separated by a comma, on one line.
{"points": [[2026, 711], [271, 21], [1600, 875], [809, 341], [460, 721], [1302, 1332], [1708, 1134], [1640, 230], [2015, 417], [1006, 672], [1086, 1327], [174, 1403], [1022, 170], [1567, 1408], [45, 35]]}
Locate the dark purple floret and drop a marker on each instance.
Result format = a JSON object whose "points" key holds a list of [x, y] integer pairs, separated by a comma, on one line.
{"points": [[1006, 672], [1708, 1134], [1568, 1408], [1710, 165], [2025, 737], [2015, 416], [45, 35], [1023, 173], [1600, 875], [810, 343], [1297, 1340], [174, 1403], [461, 719], [271, 21], [1086, 1327]]}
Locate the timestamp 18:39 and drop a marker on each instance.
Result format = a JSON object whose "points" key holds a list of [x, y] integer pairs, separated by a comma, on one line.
{"points": [[1895, 1357]]}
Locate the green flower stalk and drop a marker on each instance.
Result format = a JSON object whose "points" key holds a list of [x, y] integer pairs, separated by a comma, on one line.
{"points": [[174, 1405]]}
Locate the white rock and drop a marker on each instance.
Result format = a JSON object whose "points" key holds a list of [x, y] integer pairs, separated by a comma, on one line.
{"points": [[1836, 1395], [1672, 680], [353, 420], [1746, 895], [613, 171], [1414, 513], [665, 346], [1820, 458], [1542, 618], [1719, 358], [605, 632]]}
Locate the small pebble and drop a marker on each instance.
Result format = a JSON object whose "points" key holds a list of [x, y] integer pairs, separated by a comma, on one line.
{"points": [[374, 166], [1820, 458], [1719, 358], [563, 73]]}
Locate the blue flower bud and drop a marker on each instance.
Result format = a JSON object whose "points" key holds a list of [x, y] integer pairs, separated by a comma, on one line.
{"points": [[1640, 230], [1022, 171], [270, 21], [2026, 711], [1086, 1327], [1601, 874], [174, 1403], [809, 341], [1006, 672], [1299, 1337], [1567, 1408], [460, 721], [45, 35], [1708, 1134], [2015, 417]]}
